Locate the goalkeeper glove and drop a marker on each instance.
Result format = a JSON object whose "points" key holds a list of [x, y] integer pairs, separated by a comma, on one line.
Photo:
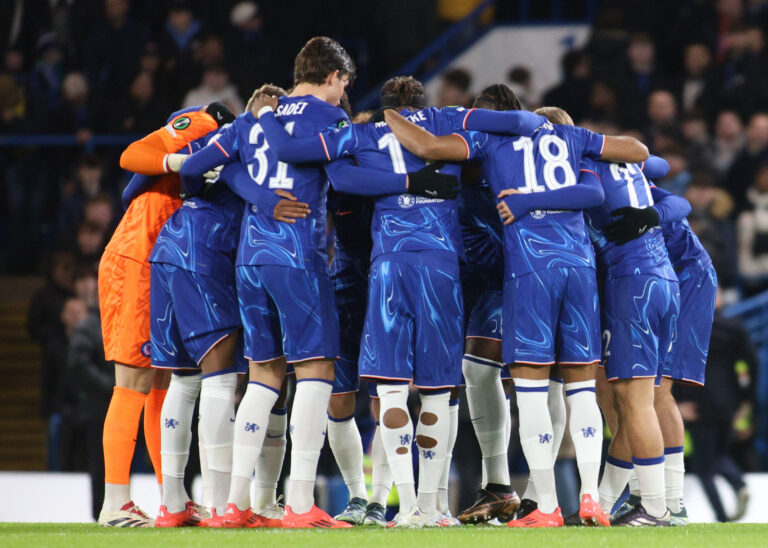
{"points": [[428, 182], [634, 223]]}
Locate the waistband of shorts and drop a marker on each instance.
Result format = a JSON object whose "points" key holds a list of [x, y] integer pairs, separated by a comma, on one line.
{"points": [[437, 258]]}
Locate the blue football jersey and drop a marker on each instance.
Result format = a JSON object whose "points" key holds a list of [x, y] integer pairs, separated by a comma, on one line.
{"points": [[545, 161], [265, 241], [404, 222], [352, 231], [683, 245], [625, 186], [202, 235], [481, 230]]}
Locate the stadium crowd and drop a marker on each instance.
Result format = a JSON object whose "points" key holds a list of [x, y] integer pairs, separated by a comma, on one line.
{"points": [[697, 97]]}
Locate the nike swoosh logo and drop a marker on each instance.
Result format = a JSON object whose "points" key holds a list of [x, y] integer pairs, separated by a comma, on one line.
{"points": [[642, 229], [274, 437], [430, 192], [231, 420]]}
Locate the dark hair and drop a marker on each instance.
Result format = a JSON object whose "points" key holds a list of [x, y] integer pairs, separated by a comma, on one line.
{"points": [[403, 91], [345, 105], [571, 60], [519, 75], [458, 77], [497, 97], [320, 57], [90, 160]]}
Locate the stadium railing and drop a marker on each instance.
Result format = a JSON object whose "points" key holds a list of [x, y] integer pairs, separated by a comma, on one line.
{"points": [[753, 312], [66, 140]]}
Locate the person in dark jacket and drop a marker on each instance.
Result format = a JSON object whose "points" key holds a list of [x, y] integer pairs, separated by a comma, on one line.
{"points": [[710, 411]]}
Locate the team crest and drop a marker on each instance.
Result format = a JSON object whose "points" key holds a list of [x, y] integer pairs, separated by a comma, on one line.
{"points": [[406, 200], [251, 427], [545, 438], [182, 123], [538, 213], [145, 349], [428, 454], [171, 423], [588, 432], [405, 440]]}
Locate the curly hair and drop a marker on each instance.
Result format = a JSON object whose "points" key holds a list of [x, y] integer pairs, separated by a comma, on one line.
{"points": [[403, 91], [497, 97]]}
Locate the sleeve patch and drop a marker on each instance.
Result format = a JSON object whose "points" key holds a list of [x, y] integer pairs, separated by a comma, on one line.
{"points": [[182, 123]]}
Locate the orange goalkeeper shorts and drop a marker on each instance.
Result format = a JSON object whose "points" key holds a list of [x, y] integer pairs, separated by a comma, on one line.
{"points": [[124, 304]]}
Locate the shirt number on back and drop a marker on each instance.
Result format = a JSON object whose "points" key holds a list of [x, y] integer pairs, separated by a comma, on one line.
{"points": [[281, 179], [626, 173], [389, 141], [553, 161]]}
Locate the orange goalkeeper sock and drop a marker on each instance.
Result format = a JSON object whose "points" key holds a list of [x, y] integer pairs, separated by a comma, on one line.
{"points": [[121, 426], [153, 408]]}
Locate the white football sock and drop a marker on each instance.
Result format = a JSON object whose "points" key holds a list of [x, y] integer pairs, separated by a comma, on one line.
{"points": [[650, 476], [217, 414], [586, 429], [308, 423], [536, 438], [397, 442], [270, 461], [615, 476], [175, 437], [381, 475], [205, 476], [442, 494], [115, 496], [347, 446], [557, 414], [634, 487], [489, 411], [432, 433], [674, 476], [250, 428]]}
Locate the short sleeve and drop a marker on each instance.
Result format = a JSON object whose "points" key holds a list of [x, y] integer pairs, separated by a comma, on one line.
{"points": [[593, 142], [476, 142]]}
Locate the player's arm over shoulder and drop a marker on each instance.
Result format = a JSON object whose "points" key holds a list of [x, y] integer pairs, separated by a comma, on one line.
{"points": [[425, 144], [148, 155]]}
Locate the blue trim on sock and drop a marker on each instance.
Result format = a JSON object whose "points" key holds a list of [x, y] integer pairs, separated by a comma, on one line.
{"points": [[451, 403], [673, 450], [275, 390], [226, 371], [281, 411], [345, 419], [326, 381], [482, 361], [531, 388], [577, 390], [648, 462], [619, 463], [557, 379]]}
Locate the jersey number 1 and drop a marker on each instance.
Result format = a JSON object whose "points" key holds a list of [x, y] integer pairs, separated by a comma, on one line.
{"points": [[281, 179]]}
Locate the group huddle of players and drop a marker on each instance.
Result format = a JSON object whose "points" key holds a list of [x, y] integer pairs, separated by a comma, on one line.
{"points": [[606, 296]]}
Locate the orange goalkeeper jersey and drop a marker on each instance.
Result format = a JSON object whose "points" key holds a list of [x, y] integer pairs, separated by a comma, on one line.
{"points": [[136, 234]]}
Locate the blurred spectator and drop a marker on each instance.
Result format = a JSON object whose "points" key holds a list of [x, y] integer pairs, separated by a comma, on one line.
{"points": [[13, 105], [455, 90], [519, 81], [111, 51], [142, 111], [604, 104], [662, 111], [679, 176], [696, 136], [178, 43], [573, 93], [100, 212], [246, 43], [86, 391], [215, 87], [729, 140], [754, 154], [46, 327], [90, 241], [698, 86], [87, 184], [753, 235], [710, 219], [710, 410], [74, 114], [47, 77]]}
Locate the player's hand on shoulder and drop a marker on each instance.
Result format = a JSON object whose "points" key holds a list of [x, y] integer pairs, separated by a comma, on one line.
{"points": [[260, 100], [429, 182], [505, 212], [634, 223], [289, 208]]}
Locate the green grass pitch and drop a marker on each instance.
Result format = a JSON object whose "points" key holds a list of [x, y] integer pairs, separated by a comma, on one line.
{"points": [[699, 536]]}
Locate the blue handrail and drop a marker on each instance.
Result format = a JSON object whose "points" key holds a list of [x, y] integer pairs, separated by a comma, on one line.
{"points": [[435, 47]]}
